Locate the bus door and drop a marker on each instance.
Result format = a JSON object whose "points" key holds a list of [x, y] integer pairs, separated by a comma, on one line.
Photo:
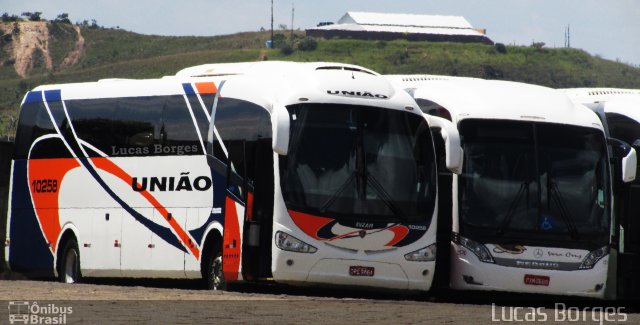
{"points": [[627, 210], [249, 201], [628, 228], [241, 140], [259, 213]]}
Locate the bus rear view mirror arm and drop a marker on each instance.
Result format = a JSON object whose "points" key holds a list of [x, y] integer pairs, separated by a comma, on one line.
{"points": [[280, 122], [451, 137]]}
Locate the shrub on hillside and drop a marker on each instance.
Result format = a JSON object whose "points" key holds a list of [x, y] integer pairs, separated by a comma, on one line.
{"points": [[287, 49], [9, 18], [308, 44], [538, 45], [398, 57], [500, 48]]}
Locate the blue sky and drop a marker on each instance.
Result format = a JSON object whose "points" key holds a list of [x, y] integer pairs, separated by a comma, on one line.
{"points": [[608, 28]]}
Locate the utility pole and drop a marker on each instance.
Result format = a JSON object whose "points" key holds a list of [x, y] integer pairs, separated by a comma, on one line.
{"points": [[271, 23], [293, 9]]}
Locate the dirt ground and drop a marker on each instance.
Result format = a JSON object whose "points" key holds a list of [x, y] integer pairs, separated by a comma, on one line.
{"points": [[166, 302]]}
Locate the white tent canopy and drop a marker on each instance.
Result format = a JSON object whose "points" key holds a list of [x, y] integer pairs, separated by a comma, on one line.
{"points": [[408, 20], [404, 23]]}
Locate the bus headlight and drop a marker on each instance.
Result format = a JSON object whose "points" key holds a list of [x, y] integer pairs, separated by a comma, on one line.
{"points": [[478, 249], [287, 242], [426, 254], [593, 257]]}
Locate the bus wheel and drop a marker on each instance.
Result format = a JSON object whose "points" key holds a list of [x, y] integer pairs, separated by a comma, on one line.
{"points": [[214, 275], [69, 263]]}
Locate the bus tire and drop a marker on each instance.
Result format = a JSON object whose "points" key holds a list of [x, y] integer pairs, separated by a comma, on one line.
{"points": [[213, 273], [69, 263]]}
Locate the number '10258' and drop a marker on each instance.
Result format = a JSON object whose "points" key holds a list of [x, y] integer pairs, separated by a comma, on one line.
{"points": [[45, 185]]}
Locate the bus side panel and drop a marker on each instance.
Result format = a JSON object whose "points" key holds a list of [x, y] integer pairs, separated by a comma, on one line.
{"points": [[28, 250]]}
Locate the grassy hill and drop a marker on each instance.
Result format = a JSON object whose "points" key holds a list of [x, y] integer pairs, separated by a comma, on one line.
{"points": [[115, 53]]}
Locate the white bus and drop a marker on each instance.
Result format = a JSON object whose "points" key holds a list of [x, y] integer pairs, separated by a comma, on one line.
{"points": [[619, 109], [295, 172], [531, 210]]}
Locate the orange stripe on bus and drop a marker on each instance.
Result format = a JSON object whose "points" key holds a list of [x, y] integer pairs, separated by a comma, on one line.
{"points": [[308, 223], [206, 87], [45, 179], [399, 233], [108, 166]]}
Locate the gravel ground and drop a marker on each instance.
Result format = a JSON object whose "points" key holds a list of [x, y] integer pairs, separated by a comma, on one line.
{"points": [[178, 302]]}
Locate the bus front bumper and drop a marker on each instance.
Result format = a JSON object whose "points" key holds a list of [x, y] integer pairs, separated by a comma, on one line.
{"points": [[353, 272], [469, 273]]}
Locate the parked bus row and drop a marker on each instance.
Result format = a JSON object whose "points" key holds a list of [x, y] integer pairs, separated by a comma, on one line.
{"points": [[321, 173], [299, 173]]}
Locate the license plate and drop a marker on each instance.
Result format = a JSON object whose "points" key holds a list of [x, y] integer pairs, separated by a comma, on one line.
{"points": [[536, 280], [361, 270]]}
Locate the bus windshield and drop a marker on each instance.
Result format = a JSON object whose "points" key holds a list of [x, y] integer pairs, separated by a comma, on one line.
{"points": [[534, 181], [359, 163]]}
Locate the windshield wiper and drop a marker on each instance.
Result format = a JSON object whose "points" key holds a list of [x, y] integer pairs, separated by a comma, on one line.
{"points": [[385, 197], [336, 195], [556, 196], [512, 209]]}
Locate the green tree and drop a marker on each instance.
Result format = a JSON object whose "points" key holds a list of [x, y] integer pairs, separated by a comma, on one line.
{"points": [[62, 18], [32, 16]]}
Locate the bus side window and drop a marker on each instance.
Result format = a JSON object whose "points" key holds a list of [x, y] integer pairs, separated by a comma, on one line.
{"points": [[137, 121], [178, 128], [92, 121]]}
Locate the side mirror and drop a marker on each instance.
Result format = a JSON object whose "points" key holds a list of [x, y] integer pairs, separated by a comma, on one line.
{"points": [[453, 151], [629, 163], [280, 126], [628, 159]]}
